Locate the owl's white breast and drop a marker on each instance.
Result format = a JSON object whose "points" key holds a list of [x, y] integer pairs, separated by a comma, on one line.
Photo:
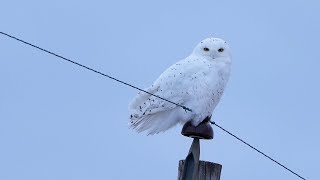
{"points": [[207, 85]]}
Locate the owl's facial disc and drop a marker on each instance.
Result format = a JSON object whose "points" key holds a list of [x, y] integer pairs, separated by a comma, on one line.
{"points": [[212, 47]]}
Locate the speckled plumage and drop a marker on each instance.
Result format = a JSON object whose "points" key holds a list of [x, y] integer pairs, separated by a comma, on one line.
{"points": [[196, 82]]}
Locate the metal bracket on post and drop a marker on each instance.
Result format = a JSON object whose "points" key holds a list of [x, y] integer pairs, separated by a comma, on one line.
{"points": [[192, 161]]}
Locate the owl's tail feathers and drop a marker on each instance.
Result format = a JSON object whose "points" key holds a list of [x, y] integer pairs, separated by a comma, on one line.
{"points": [[154, 123]]}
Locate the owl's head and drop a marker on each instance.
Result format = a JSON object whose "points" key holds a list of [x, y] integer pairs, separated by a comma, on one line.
{"points": [[213, 48]]}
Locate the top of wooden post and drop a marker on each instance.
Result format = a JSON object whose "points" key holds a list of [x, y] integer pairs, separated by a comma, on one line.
{"points": [[202, 131]]}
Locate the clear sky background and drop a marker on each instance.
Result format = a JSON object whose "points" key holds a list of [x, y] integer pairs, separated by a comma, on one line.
{"points": [[62, 122]]}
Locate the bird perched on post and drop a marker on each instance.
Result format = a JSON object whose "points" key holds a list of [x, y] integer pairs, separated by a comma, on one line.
{"points": [[196, 82]]}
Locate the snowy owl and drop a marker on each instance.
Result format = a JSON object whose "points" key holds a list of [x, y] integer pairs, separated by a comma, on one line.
{"points": [[196, 82]]}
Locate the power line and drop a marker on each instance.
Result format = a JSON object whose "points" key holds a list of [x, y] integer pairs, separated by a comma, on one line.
{"points": [[185, 108], [244, 142], [98, 72]]}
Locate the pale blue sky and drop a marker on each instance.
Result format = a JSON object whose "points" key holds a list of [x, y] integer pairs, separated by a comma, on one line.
{"points": [[62, 122]]}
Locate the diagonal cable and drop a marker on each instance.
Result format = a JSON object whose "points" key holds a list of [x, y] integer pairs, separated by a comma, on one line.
{"points": [[252, 147], [98, 72], [185, 108]]}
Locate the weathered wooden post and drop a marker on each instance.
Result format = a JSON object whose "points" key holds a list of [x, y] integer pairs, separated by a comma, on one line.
{"points": [[192, 168]]}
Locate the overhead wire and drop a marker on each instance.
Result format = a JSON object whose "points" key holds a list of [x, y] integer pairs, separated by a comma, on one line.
{"points": [[257, 150], [135, 87], [98, 72]]}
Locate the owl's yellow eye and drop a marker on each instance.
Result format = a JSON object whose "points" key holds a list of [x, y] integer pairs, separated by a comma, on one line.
{"points": [[206, 49], [220, 50]]}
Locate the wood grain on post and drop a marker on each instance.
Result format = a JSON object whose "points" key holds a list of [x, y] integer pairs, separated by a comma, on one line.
{"points": [[206, 170]]}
